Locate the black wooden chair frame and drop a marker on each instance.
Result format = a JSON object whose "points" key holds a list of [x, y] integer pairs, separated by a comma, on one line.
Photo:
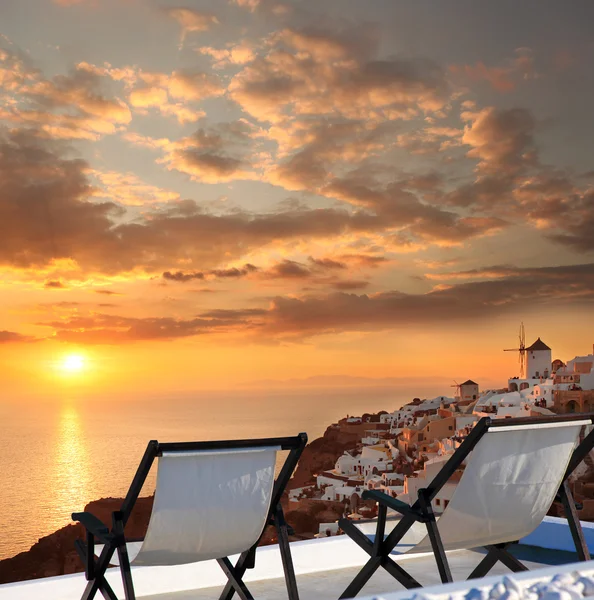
{"points": [[422, 512], [114, 540]]}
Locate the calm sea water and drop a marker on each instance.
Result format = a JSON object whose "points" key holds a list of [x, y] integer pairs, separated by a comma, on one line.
{"points": [[58, 455]]}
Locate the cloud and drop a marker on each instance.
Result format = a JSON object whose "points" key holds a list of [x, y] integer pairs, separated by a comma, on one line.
{"points": [[333, 313], [112, 329], [296, 318], [107, 292], [172, 94], [54, 285], [231, 273], [288, 269], [128, 189], [403, 210], [503, 78], [430, 140], [350, 284], [502, 139], [73, 106], [46, 214], [317, 73], [233, 55], [327, 263], [191, 21], [9, 337], [560, 274], [213, 156]]}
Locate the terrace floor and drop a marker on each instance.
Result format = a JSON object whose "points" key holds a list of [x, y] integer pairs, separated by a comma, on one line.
{"points": [[328, 585], [324, 569]]}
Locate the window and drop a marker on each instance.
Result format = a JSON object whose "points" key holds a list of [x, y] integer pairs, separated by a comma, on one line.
{"points": [[437, 502], [474, 396], [451, 427], [445, 503]]}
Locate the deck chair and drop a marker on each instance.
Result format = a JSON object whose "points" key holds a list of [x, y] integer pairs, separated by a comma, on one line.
{"points": [[212, 500], [516, 468]]}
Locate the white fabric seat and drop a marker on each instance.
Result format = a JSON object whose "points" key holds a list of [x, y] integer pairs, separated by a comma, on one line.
{"points": [[207, 504]]}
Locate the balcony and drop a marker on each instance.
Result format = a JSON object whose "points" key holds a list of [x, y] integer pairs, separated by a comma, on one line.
{"points": [[324, 568]]}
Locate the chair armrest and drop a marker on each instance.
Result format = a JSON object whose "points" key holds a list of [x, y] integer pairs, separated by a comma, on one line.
{"points": [[397, 505], [94, 526]]}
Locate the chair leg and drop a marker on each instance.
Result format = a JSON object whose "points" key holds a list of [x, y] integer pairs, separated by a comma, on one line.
{"points": [[362, 577], [244, 562], [399, 573], [486, 564], [573, 521], [283, 543], [118, 528], [99, 583], [235, 579], [438, 550], [378, 552], [107, 592], [510, 561]]}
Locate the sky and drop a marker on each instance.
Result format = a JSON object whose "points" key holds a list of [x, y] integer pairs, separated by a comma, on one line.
{"points": [[213, 194]]}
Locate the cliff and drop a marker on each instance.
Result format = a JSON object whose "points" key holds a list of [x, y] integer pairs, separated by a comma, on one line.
{"points": [[321, 454]]}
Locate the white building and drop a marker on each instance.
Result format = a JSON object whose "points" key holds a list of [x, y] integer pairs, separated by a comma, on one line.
{"points": [[538, 361], [431, 468], [578, 371], [469, 391]]}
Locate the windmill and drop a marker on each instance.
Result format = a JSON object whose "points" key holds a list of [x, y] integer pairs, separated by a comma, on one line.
{"points": [[457, 386], [521, 350]]}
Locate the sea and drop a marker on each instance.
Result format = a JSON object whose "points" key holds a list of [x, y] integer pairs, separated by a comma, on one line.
{"points": [[56, 455]]}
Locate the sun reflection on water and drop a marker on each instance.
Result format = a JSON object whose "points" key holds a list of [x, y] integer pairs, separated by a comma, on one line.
{"points": [[71, 464]]}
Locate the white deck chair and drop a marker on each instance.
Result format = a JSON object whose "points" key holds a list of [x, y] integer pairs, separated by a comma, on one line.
{"points": [[212, 500], [517, 468]]}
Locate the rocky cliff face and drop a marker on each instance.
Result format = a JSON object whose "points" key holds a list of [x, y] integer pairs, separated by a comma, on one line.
{"points": [[321, 454], [55, 553]]}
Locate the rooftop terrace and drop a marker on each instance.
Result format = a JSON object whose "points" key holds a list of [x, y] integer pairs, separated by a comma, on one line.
{"points": [[324, 568]]}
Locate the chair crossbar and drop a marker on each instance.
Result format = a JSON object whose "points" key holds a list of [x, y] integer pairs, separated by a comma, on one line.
{"points": [[422, 512], [115, 541]]}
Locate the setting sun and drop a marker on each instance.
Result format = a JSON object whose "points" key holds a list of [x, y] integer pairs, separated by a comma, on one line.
{"points": [[73, 363]]}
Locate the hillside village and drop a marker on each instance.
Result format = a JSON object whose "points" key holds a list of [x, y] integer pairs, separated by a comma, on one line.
{"points": [[400, 452]]}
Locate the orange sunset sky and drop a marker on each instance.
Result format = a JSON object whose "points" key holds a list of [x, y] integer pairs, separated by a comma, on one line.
{"points": [[208, 194]]}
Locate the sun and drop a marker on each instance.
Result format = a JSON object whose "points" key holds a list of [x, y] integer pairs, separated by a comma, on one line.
{"points": [[73, 363]]}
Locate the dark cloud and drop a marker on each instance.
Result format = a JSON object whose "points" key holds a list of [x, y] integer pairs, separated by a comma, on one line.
{"points": [[8, 337], [46, 214], [215, 155], [287, 269], [107, 292], [54, 285], [307, 72], [327, 263], [514, 289], [232, 273], [312, 315], [350, 284], [113, 329]]}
